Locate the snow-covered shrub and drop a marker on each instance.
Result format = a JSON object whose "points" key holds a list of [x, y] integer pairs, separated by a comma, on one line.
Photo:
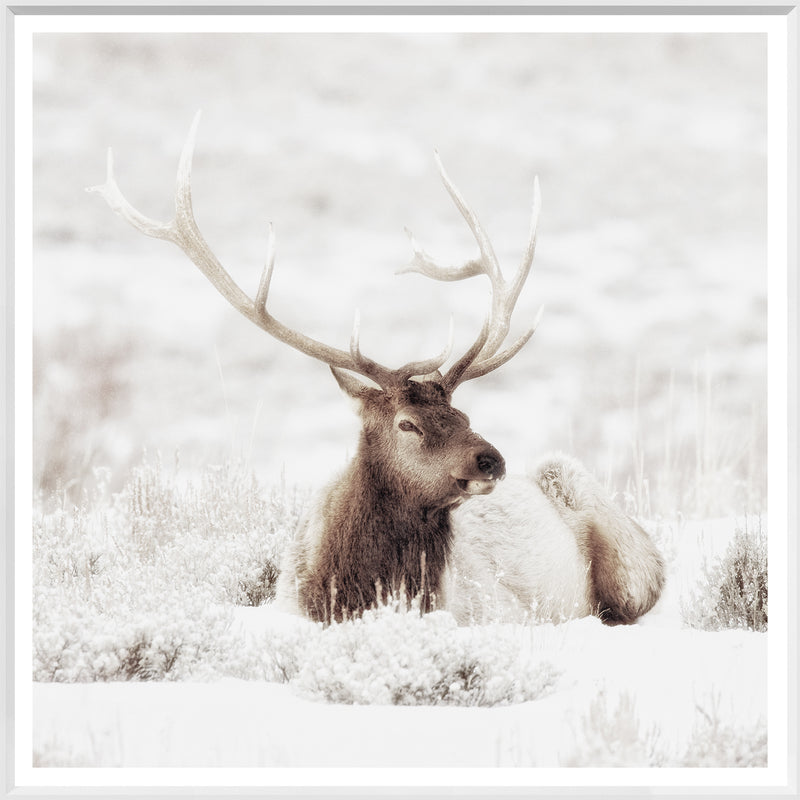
{"points": [[395, 656], [733, 593], [259, 587], [715, 743], [614, 738], [175, 642], [228, 531], [141, 585], [79, 386]]}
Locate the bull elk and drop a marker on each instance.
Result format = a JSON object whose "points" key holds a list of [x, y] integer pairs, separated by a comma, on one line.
{"points": [[420, 510]]}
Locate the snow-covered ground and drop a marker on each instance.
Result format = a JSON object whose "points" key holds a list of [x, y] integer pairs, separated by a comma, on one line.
{"points": [[622, 698], [654, 694]]}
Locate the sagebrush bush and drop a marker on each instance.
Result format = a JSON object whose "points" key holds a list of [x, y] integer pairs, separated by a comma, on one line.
{"points": [[141, 584], [79, 386], [715, 743], [395, 656], [179, 641], [615, 738], [734, 591]]}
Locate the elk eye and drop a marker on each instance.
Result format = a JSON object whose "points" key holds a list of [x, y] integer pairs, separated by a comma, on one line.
{"points": [[407, 425]]}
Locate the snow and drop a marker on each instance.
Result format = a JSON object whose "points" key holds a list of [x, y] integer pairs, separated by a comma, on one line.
{"points": [[234, 723], [656, 684], [257, 688]]}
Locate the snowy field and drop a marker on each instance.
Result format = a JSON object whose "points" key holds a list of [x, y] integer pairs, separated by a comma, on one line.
{"points": [[155, 643], [135, 669], [621, 699]]}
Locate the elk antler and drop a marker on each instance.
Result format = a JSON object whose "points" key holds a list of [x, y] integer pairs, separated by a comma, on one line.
{"points": [[183, 232], [483, 356]]}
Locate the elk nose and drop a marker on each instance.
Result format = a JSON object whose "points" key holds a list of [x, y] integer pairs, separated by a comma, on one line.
{"points": [[491, 464]]}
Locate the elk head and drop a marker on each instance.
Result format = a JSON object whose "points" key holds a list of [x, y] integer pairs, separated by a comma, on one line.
{"points": [[413, 439], [411, 433]]}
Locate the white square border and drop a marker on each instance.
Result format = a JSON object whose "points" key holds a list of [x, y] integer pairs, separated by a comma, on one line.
{"points": [[776, 27]]}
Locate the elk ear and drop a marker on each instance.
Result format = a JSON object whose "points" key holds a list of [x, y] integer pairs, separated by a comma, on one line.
{"points": [[350, 385]]}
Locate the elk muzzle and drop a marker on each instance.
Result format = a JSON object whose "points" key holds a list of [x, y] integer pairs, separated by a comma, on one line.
{"points": [[484, 467]]}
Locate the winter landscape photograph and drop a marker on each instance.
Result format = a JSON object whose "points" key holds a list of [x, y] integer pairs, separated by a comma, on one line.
{"points": [[269, 546]]}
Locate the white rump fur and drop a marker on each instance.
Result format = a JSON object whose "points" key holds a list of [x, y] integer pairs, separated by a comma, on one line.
{"points": [[525, 551], [513, 555]]}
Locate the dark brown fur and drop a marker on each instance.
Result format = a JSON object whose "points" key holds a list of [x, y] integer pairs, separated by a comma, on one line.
{"points": [[614, 601], [387, 519]]}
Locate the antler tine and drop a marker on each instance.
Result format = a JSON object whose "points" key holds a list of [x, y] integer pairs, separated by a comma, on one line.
{"points": [[430, 365], [486, 365], [455, 373], [487, 264], [488, 260], [425, 265], [183, 231], [385, 377], [530, 251], [266, 276]]}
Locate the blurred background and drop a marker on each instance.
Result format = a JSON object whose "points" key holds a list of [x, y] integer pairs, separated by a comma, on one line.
{"points": [[650, 360]]}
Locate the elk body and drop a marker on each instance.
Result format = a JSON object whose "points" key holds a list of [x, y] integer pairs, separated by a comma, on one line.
{"points": [[420, 511]]}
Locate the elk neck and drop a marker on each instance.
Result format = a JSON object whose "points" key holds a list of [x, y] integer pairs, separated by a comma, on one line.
{"points": [[398, 511], [378, 533]]}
